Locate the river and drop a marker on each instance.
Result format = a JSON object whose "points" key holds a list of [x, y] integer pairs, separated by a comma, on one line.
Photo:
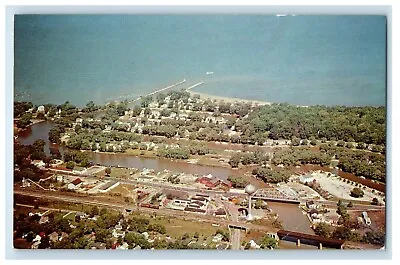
{"points": [[292, 217], [290, 214], [41, 130]]}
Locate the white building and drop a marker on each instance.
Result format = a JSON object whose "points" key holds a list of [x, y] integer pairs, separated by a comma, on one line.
{"points": [[40, 109]]}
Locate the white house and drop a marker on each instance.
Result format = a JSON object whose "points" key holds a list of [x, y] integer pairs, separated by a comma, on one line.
{"points": [[40, 109], [117, 231]]}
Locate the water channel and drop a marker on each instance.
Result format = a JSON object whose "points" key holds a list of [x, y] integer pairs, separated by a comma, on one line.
{"points": [[290, 214]]}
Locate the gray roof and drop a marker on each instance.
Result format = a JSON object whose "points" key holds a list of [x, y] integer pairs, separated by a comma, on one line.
{"points": [[108, 184]]}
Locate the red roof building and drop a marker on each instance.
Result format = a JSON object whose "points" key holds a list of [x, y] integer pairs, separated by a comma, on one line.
{"points": [[77, 181], [213, 182]]}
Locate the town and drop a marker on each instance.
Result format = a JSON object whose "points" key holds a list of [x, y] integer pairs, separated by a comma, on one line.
{"points": [[180, 171]]}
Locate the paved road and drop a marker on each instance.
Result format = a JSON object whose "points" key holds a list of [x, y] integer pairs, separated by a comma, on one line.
{"points": [[235, 239], [231, 214]]}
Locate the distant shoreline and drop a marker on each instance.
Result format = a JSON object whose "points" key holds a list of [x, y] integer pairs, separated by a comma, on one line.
{"points": [[227, 99]]}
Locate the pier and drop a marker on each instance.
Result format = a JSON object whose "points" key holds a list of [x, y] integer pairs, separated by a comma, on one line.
{"points": [[158, 91], [195, 85]]}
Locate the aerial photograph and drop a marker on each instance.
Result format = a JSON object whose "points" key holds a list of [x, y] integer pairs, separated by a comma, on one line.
{"points": [[203, 132]]}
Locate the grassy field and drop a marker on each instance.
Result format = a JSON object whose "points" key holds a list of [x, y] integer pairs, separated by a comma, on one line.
{"points": [[177, 227], [125, 191]]}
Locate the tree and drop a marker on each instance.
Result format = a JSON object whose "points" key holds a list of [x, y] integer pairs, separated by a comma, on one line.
{"points": [[235, 160], [349, 145], [340, 143], [313, 141], [259, 204], [295, 141], [268, 242], [375, 201], [350, 204], [157, 228], [323, 229], [70, 165], [102, 235], [55, 153], [108, 170], [357, 193], [374, 237], [95, 211]]}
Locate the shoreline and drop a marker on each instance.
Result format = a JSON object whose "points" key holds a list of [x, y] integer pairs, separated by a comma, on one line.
{"points": [[227, 99]]}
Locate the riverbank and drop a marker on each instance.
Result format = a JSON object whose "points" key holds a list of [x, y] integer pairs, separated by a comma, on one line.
{"points": [[17, 130], [227, 99]]}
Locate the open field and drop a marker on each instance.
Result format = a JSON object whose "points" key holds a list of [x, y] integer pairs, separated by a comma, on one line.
{"points": [[177, 227]]}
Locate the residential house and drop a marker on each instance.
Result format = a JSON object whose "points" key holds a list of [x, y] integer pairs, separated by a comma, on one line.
{"points": [[117, 231], [53, 237], [124, 246], [38, 163], [253, 244], [98, 245], [40, 109], [75, 184], [43, 219]]}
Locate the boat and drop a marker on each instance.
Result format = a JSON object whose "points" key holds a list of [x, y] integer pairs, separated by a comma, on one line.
{"points": [[209, 73]]}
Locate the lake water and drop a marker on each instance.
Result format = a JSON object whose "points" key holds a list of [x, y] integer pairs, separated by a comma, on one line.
{"points": [[303, 60]]}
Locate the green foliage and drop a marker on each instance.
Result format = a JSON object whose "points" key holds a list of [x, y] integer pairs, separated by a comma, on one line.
{"points": [[95, 211], [55, 133], [268, 242], [225, 234], [340, 143], [237, 182], [134, 239], [70, 165], [259, 204], [146, 101], [360, 124], [323, 229], [297, 156], [24, 120], [345, 233], [375, 201], [21, 107], [235, 160], [270, 176], [357, 193], [157, 228], [374, 237], [175, 153]]}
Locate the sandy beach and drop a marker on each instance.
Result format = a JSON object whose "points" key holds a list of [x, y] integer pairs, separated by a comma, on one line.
{"points": [[227, 99]]}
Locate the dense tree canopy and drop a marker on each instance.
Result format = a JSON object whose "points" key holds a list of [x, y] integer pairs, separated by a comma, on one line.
{"points": [[283, 121]]}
